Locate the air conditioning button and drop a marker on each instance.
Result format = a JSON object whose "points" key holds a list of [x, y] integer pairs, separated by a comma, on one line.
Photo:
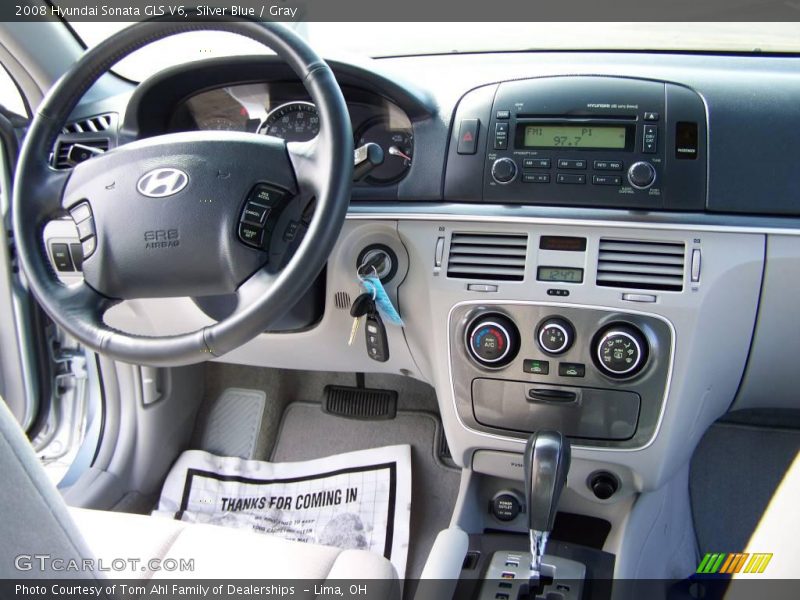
{"points": [[492, 340]]}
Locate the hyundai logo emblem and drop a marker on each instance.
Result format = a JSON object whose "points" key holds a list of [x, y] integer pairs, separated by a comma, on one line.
{"points": [[160, 183]]}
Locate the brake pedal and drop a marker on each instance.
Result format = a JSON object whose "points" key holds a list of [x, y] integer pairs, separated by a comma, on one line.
{"points": [[360, 403]]}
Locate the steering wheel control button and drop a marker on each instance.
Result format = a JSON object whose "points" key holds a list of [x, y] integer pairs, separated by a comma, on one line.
{"points": [[493, 340], [255, 213], [88, 246], [77, 256], [555, 335], [252, 235], [61, 257], [265, 194], [260, 212], [571, 370], [536, 367], [81, 212], [468, 136], [505, 506], [641, 175], [504, 170], [85, 229], [621, 350], [292, 227]]}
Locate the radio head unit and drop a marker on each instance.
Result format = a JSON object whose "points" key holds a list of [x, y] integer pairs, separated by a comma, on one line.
{"points": [[582, 141]]}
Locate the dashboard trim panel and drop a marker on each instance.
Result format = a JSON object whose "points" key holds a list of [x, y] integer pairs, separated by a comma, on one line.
{"points": [[371, 215]]}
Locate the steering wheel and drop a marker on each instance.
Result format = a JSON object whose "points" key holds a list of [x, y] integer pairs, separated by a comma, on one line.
{"points": [[184, 214]]}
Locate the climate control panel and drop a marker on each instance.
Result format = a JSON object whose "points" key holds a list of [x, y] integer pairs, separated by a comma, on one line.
{"points": [[598, 375]]}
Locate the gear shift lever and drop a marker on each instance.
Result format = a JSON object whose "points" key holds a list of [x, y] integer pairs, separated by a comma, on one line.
{"points": [[547, 459]]}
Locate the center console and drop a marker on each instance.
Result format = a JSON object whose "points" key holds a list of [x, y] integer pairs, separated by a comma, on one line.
{"points": [[580, 141], [599, 376]]}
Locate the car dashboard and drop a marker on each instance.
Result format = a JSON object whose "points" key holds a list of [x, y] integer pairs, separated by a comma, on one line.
{"points": [[602, 243]]}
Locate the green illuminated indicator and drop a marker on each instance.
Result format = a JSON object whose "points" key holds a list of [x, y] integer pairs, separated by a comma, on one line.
{"points": [[573, 136]]}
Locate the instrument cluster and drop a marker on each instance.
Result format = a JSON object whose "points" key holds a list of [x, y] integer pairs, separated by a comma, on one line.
{"points": [[284, 110]]}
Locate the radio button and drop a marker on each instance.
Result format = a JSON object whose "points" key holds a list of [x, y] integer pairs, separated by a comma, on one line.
{"points": [[608, 165], [536, 177], [535, 163], [650, 139], [500, 136], [566, 163], [606, 180], [570, 178]]}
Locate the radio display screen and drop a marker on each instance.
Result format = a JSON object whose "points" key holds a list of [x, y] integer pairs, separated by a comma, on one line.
{"points": [[575, 136], [561, 274]]}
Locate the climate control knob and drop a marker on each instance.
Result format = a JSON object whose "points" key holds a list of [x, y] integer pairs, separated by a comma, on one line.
{"points": [[641, 175], [504, 170], [492, 340], [620, 350], [555, 335]]}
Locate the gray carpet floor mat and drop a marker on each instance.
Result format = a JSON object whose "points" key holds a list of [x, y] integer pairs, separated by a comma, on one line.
{"points": [[306, 432], [735, 471]]}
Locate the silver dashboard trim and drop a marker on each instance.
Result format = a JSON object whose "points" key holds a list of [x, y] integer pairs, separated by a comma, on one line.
{"points": [[517, 220], [493, 436]]}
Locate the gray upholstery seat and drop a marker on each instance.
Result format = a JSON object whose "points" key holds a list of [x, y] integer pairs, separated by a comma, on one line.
{"points": [[34, 520]]}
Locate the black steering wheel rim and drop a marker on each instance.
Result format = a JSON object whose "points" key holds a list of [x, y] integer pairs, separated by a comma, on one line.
{"points": [[323, 168]]}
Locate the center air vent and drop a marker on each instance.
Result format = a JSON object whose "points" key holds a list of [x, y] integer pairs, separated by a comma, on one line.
{"points": [[487, 256], [641, 265]]}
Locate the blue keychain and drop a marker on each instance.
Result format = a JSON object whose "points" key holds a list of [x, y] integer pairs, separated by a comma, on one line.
{"points": [[372, 284]]}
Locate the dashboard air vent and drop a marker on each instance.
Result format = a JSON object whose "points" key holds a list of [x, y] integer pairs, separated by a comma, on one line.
{"points": [[65, 157], [641, 265], [487, 256], [89, 125]]}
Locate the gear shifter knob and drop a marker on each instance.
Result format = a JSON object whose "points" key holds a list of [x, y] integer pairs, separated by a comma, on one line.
{"points": [[547, 459]]}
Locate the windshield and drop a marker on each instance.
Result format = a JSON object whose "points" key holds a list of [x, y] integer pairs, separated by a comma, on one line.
{"points": [[399, 39]]}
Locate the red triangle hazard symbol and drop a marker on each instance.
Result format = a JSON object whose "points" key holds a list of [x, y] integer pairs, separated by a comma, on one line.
{"points": [[467, 137]]}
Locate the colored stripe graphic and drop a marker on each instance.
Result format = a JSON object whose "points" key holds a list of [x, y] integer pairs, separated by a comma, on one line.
{"points": [[732, 562], [758, 563]]}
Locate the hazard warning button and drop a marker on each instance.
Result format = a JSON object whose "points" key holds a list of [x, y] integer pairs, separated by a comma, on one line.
{"points": [[468, 136]]}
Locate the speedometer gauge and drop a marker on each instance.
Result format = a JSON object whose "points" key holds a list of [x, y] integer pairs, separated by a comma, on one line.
{"points": [[293, 122]]}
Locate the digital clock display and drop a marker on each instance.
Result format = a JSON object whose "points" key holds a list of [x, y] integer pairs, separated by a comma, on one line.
{"points": [[560, 274], [574, 136]]}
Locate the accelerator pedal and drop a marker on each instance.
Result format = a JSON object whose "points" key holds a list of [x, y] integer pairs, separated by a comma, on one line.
{"points": [[360, 402]]}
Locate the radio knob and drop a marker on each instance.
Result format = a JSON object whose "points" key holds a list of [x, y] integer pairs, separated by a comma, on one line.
{"points": [[504, 170], [641, 175]]}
